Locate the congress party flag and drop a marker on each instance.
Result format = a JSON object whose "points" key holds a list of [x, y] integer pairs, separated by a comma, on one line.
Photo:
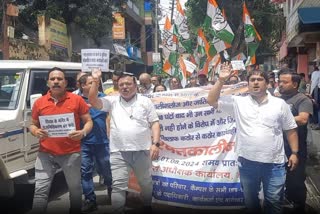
{"points": [[216, 23]]}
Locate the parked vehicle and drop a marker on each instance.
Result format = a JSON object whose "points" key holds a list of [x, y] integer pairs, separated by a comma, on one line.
{"points": [[8, 88], [18, 148]]}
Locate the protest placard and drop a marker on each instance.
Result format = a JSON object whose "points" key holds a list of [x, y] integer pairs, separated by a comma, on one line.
{"points": [[58, 125], [238, 65], [95, 58]]}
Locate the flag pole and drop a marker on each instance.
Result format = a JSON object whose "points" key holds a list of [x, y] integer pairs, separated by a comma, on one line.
{"points": [[156, 27], [172, 9]]}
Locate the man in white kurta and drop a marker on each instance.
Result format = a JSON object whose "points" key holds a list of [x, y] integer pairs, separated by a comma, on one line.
{"points": [[260, 120], [133, 121]]}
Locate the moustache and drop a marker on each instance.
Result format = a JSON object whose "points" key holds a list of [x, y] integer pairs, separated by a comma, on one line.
{"points": [[56, 86]]}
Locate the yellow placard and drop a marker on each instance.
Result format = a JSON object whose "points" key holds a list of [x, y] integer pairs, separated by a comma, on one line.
{"points": [[58, 36]]}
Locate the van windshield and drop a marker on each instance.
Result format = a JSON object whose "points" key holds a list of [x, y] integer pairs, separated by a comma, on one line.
{"points": [[10, 88]]}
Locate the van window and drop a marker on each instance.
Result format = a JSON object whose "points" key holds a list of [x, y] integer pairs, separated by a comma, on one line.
{"points": [[10, 88], [38, 82]]}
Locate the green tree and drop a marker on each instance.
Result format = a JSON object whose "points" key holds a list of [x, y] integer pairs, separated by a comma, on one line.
{"points": [[98, 25], [94, 17], [268, 20]]}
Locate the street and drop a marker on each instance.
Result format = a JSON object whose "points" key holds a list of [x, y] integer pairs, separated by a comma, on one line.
{"points": [[192, 81], [59, 199]]}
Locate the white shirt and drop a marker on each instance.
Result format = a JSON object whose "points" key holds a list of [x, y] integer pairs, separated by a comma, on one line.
{"points": [[77, 91], [315, 80], [259, 126], [130, 122]]}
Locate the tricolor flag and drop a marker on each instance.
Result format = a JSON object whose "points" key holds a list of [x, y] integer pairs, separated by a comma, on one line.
{"points": [[181, 22], [183, 71], [193, 59], [181, 31], [210, 63], [252, 37], [217, 24], [217, 45], [196, 56], [169, 40], [190, 67], [167, 68], [240, 56], [213, 66], [202, 44], [207, 66], [226, 55]]}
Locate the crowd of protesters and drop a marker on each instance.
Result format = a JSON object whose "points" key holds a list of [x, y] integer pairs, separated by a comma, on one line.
{"points": [[121, 133]]}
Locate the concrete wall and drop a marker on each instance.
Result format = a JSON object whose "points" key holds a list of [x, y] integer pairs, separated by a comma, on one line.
{"points": [[25, 50]]}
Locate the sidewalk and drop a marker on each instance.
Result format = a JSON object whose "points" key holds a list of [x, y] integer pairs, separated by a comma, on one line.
{"points": [[313, 170], [313, 185], [313, 162]]}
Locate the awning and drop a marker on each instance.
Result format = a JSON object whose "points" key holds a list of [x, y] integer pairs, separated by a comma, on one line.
{"points": [[120, 50], [309, 15], [124, 59], [138, 61]]}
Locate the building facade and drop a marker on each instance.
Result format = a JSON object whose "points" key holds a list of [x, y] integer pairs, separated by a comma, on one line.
{"points": [[300, 47], [130, 40]]}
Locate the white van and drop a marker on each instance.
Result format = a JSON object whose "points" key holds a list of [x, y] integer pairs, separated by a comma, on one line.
{"points": [[18, 148]]}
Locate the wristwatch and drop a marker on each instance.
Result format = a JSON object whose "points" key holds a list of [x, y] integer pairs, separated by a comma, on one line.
{"points": [[157, 144], [294, 152]]}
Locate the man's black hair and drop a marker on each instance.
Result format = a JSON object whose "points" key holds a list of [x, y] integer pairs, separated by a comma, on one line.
{"points": [[302, 75], [117, 73], [57, 69], [271, 74], [83, 80], [295, 77], [159, 78], [259, 73]]}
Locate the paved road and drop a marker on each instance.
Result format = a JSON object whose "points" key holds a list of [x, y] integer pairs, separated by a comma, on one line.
{"points": [[59, 201], [22, 201]]}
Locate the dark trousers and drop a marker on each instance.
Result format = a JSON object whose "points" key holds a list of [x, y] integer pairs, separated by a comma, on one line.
{"points": [[316, 103], [296, 190], [91, 154]]}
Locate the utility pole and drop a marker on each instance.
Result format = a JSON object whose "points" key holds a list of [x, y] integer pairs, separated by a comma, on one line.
{"points": [[172, 9], [156, 59], [5, 41], [156, 28]]}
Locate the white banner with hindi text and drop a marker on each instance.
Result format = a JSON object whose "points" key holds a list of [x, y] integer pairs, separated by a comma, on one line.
{"points": [[197, 166]]}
